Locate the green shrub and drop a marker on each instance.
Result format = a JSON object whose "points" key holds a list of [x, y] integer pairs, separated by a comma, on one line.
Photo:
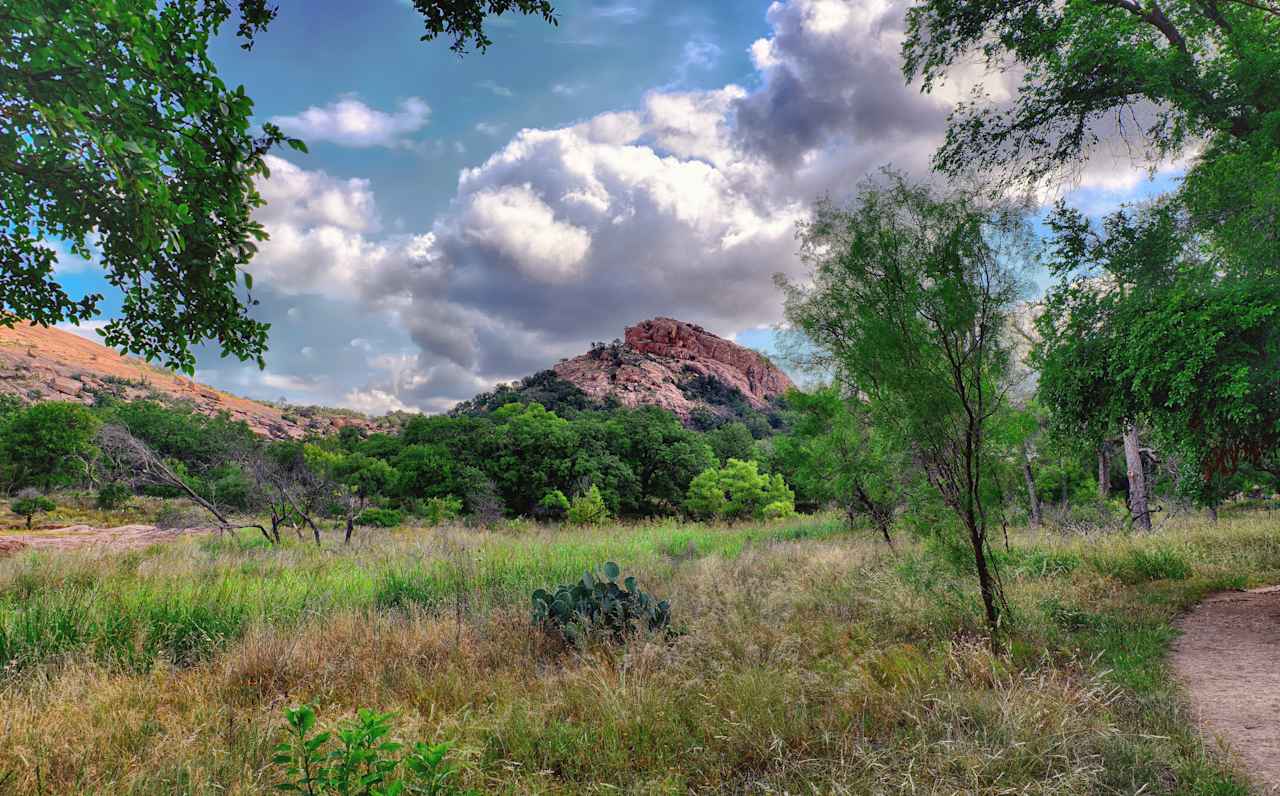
{"points": [[588, 508], [227, 485], [48, 443], [705, 499], [597, 603], [553, 504], [379, 518], [439, 510], [739, 491], [30, 503], [360, 758], [113, 496], [778, 509]]}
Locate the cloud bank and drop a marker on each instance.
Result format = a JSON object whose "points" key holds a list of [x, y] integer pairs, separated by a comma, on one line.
{"points": [[685, 206]]}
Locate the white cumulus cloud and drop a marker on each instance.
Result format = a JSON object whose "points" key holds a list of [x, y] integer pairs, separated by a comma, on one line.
{"points": [[348, 121]]}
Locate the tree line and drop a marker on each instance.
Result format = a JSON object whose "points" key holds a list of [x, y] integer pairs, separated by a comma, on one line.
{"points": [[519, 459]]}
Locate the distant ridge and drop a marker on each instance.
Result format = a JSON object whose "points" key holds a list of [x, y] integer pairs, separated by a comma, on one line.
{"points": [[46, 364]]}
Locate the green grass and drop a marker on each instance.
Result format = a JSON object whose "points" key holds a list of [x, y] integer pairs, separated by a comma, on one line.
{"points": [[809, 659], [183, 605]]}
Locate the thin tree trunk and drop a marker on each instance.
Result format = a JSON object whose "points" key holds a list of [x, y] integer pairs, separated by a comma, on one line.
{"points": [[1033, 496], [883, 525], [881, 516], [1104, 471], [1062, 466], [1138, 506], [985, 584]]}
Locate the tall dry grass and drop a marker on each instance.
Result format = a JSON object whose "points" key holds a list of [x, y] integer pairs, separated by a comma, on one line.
{"points": [[818, 663]]}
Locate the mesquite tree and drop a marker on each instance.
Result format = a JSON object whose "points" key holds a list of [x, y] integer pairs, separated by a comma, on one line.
{"points": [[836, 454], [285, 486], [908, 302], [128, 459]]}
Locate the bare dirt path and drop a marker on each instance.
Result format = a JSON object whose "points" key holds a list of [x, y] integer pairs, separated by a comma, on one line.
{"points": [[78, 536], [1229, 659]]}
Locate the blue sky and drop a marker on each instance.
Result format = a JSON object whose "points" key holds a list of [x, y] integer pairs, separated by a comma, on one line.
{"points": [[464, 221]]}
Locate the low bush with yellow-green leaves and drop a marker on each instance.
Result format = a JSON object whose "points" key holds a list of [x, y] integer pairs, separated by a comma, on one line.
{"points": [[739, 491]]}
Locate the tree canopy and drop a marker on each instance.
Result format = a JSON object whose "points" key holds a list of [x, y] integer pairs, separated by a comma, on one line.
{"points": [[120, 143], [1147, 324], [1162, 74], [908, 301]]}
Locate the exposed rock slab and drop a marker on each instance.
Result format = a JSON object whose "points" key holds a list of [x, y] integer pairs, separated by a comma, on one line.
{"points": [[656, 358]]}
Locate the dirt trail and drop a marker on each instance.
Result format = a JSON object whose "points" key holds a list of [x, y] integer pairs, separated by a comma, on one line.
{"points": [[75, 536], [1229, 659]]}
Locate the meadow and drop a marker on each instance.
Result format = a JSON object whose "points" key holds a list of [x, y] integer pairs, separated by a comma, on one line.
{"points": [[807, 658]]}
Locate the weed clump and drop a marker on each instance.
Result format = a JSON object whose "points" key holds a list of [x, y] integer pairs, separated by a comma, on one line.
{"points": [[360, 757], [1142, 565]]}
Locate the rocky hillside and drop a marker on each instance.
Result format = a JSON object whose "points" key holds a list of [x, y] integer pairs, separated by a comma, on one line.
{"points": [[38, 364], [680, 367]]}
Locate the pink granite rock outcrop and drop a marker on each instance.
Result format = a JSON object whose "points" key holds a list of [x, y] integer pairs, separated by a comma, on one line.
{"points": [[658, 356]]}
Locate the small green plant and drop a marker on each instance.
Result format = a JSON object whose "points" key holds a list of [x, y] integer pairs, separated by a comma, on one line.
{"points": [[553, 504], [29, 503], [439, 510], [598, 603], [588, 508], [379, 518], [360, 759], [112, 496]]}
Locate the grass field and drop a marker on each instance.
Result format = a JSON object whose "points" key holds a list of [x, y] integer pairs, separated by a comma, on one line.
{"points": [[810, 659]]}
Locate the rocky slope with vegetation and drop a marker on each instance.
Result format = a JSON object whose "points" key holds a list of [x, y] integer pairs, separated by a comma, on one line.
{"points": [[678, 366], [47, 364]]}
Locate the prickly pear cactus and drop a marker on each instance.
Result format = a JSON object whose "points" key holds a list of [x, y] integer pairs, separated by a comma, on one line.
{"points": [[599, 603]]}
